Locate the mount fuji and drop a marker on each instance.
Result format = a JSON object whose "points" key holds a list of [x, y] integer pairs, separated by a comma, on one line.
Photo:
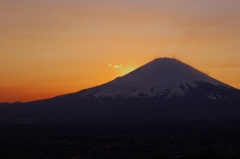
{"points": [[162, 78], [163, 88]]}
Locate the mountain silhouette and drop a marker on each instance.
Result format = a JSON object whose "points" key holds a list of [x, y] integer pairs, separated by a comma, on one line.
{"points": [[164, 88]]}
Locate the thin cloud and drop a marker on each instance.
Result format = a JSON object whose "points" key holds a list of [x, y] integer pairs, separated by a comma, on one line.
{"points": [[114, 66]]}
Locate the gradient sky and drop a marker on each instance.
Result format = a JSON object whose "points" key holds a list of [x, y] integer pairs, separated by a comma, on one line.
{"points": [[53, 47]]}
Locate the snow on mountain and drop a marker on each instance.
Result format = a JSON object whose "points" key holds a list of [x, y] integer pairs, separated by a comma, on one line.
{"points": [[166, 77]]}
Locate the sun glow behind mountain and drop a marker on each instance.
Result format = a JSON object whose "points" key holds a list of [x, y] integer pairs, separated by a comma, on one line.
{"points": [[126, 70], [121, 69]]}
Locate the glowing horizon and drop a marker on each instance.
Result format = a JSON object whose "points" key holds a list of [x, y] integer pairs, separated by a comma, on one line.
{"points": [[49, 48]]}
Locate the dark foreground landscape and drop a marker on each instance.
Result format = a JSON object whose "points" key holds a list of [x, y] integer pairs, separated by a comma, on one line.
{"points": [[166, 139]]}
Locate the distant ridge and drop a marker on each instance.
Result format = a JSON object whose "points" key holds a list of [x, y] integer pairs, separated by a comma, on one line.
{"points": [[4, 103]]}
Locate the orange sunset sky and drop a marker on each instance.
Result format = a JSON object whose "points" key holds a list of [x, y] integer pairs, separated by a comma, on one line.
{"points": [[53, 47]]}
